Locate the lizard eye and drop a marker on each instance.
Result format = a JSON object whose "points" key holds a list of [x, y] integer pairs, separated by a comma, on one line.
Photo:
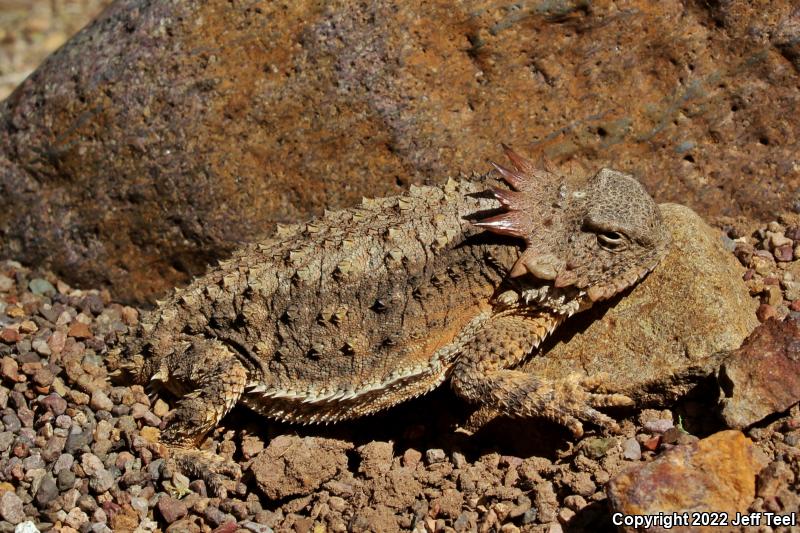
{"points": [[612, 241]]}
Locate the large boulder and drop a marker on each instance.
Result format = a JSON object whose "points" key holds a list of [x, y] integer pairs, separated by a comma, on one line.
{"points": [[165, 133]]}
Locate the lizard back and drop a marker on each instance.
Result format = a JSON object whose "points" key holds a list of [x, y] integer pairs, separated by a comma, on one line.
{"points": [[360, 300]]}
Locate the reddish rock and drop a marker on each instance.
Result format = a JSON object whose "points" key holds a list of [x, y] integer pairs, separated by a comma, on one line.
{"points": [[165, 133], [171, 509], [763, 376], [411, 458], [9, 335], [715, 474], [652, 443], [57, 341], [121, 518], [784, 253], [766, 312]]}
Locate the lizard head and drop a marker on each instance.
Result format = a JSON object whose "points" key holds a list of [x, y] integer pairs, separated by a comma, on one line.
{"points": [[597, 235]]}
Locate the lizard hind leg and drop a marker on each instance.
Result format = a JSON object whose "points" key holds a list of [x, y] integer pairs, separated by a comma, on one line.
{"points": [[214, 379], [482, 375]]}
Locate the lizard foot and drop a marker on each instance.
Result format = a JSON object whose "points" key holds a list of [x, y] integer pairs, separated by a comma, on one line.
{"points": [[574, 400], [217, 472]]}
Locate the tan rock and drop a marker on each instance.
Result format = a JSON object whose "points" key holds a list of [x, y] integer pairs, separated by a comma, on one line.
{"points": [[79, 330], [150, 434], [295, 466]]}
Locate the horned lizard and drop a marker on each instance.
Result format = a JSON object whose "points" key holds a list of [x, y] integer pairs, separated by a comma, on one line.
{"points": [[364, 308]]}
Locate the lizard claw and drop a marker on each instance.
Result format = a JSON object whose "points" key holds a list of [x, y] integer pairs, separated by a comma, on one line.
{"points": [[574, 402]]}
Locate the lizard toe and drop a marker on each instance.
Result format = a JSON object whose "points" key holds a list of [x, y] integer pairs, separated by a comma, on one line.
{"points": [[610, 400], [217, 472]]}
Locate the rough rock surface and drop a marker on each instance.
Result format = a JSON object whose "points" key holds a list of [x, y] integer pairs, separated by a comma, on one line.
{"points": [[763, 376], [716, 474], [657, 341], [166, 132], [292, 466]]}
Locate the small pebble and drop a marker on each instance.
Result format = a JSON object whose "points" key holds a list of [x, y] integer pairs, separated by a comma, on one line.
{"points": [[64, 462], [9, 369], [255, 527], [217, 517], [26, 527], [11, 507], [100, 401], [631, 450], [6, 283], [171, 509], [161, 408], [784, 253], [76, 518], [79, 330], [41, 287], [766, 312], [41, 347], [659, 425], [28, 326], [6, 439], [435, 455], [54, 403], [597, 447], [9, 335], [652, 443], [48, 490], [411, 458], [672, 435], [65, 480]]}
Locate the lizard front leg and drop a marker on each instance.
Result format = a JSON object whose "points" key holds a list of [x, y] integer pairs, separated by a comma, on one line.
{"points": [[215, 380], [482, 375]]}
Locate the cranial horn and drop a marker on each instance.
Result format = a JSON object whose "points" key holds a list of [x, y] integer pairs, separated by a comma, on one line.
{"points": [[520, 163], [513, 178]]}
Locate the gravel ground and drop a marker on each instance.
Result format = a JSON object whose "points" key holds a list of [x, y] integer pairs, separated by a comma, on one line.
{"points": [[79, 454], [32, 29]]}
